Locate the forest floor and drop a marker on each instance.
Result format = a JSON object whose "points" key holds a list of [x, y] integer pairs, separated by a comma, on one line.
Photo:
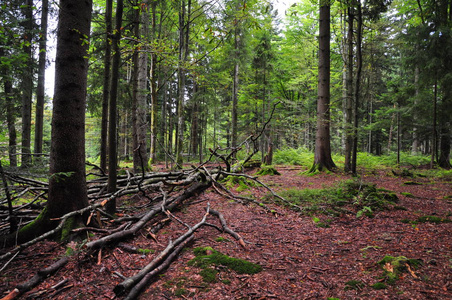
{"points": [[299, 259]]}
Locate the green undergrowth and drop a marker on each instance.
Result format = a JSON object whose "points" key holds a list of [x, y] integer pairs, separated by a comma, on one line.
{"points": [[209, 260], [305, 157], [351, 196]]}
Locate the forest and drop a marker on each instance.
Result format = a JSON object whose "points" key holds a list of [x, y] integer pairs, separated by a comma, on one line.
{"points": [[192, 148]]}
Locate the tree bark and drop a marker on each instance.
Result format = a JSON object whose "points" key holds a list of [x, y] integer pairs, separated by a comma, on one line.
{"points": [[359, 63], [106, 86], [112, 126], [27, 84], [67, 183], [322, 154], [143, 91], [154, 85], [348, 110], [40, 95]]}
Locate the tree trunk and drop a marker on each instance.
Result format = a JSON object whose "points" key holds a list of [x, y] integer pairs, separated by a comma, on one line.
{"points": [[322, 154], [27, 84], [153, 73], [235, 92], [106, 86], [184, 31], [359, 63], [348, 109], [143, 91], [67, 183], [112, 128], [11, 122], [40, 95]]}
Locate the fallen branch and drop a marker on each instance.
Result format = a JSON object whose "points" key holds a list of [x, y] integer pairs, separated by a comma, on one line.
{"points": [[35, 280]]}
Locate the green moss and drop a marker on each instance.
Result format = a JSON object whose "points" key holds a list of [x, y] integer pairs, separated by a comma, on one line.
{"points": [[406, 194], [145, 251], [67, 227], [394, 266], [351, 195], [209, 275], [268, 170], [206, 257], [433, 219], [221, 239], [354, 285], [378, 286]]}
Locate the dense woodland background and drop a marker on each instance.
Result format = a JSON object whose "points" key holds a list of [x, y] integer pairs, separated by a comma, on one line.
{"points": [[195, 75]]}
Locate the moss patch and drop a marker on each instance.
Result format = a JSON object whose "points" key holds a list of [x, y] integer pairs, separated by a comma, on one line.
{"points": [[394, 266], [268, 170], [206, 258]]}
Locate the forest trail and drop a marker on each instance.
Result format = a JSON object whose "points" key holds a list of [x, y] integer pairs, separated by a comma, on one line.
{"points": [[299, 259]]}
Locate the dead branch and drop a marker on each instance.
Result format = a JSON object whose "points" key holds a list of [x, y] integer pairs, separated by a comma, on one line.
{"points": [[35, 280], [172, 202]]}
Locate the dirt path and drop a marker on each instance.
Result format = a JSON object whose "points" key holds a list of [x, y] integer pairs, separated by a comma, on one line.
{"points": [[299, 259]]}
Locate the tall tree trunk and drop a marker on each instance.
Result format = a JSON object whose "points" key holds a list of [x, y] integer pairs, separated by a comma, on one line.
{"points": [[106, 86], [143, 91], [27, 84], [153, 73], [184, 31], [416, 142], [39, 119], [348, 109], [322, 153], [112, 128], [235, 91], [67, 183], [11, 122], [359, 67], [139, 118]]}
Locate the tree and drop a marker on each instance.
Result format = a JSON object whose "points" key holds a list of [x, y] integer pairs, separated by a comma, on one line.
{"points": [[139, 114], [67, 183], [112, 127], [106, 85], [322, 154], [39, 119], [27, 83]]}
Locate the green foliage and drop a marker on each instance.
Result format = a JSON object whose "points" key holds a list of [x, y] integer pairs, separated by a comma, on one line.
{"points": [[297, 157]]}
